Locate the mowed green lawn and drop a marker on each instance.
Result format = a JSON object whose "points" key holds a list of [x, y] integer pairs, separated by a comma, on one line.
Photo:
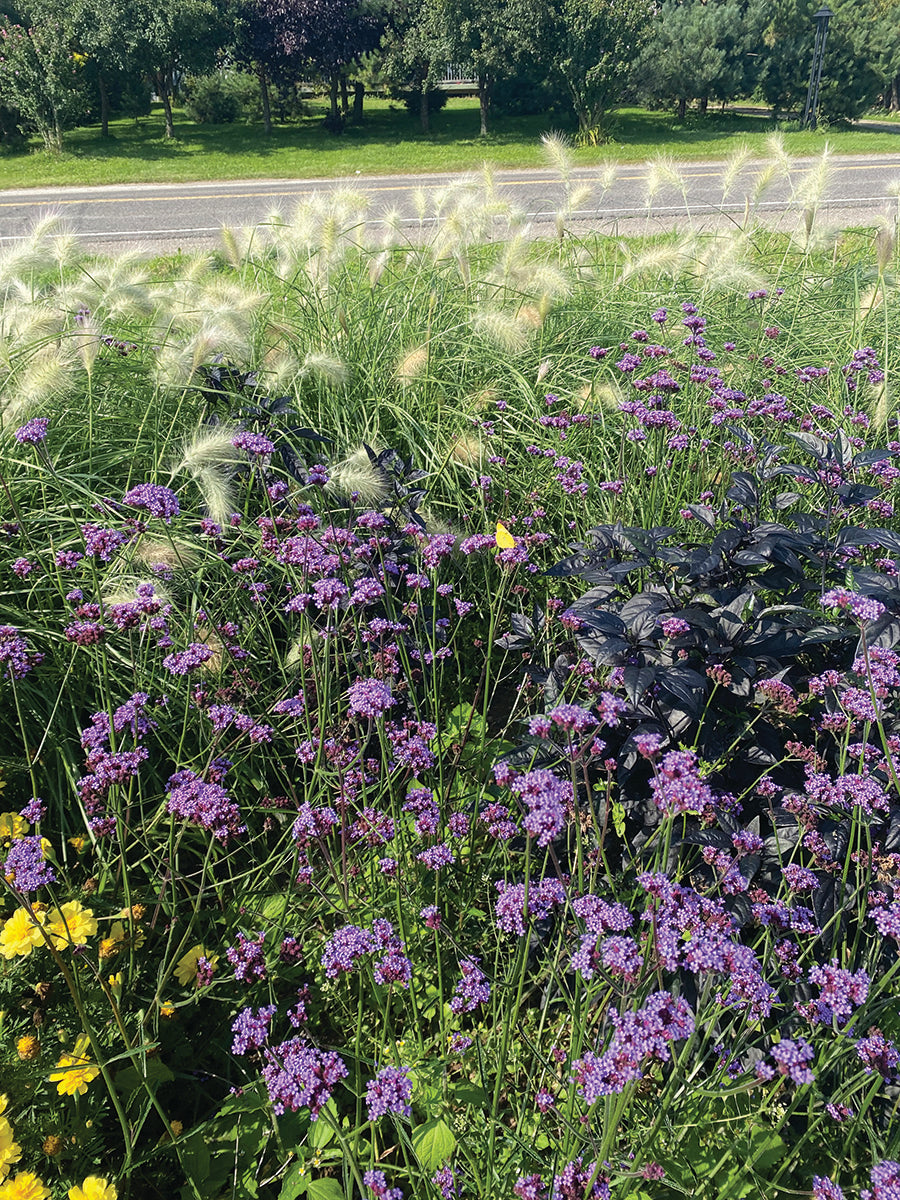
{"points": [[389, 141]]}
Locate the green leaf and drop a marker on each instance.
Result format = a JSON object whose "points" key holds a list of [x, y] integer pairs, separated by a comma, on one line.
{"points": [[618, 816], [325, 1189], [130, 1079], [433, 1143], [295, 1183], [322, 1132], [471, 1095]]}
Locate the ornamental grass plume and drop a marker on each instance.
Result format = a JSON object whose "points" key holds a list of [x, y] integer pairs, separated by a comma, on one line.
{"points": [[358, 475], [207, 457], [325, 368], [411, 366], [504, 330]]}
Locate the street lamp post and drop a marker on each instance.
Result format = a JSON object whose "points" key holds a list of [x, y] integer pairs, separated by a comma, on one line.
{"points": [[821, 18]]}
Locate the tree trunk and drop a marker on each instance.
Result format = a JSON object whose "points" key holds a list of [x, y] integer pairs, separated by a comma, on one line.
{"points": [[895, 93], [484, 101], [104, 105], [333, 100], [359, 92], [682, 107], [424, 112], [162, 87], [704, 105], [345, 99], [264, 93]]}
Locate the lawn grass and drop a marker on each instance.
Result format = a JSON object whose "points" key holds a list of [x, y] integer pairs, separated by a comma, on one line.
{"points": [[389, 141]]}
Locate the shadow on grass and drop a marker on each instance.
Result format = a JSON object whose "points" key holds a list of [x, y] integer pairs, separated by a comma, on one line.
{"points": [[383, 124]]}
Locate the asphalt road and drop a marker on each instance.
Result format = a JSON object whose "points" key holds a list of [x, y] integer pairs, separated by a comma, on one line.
{"points": [[167, 216]]}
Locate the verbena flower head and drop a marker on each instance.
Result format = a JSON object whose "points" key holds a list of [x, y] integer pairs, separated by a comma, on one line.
{"points": [[370, 698], [298, 1075], [861, 607], [546, 798], [25, 868], [32, 433], [15, 657], [389, 1092], [158, 501], [885, 1178], [252, 443]]}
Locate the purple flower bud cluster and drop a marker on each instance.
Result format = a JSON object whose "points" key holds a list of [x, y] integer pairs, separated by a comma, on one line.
{"points": [[298, 1075], [575, 1182], [792, 1058], [252, 443], [542, 897], [377, 1184], [677, 787], [25, 867], [248, 958], [205, 804], [472, 989], [158, 501], [389, 1092], [181, 662], [637, 1036], [369, 698], [861, 607], [350, 945], [251, 1029], [546, 798], [15, 657], [879, 1053], [33, 432]]}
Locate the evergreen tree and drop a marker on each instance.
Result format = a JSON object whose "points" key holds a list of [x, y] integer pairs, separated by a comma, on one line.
{"points": [[701, 50], [849, 82]]}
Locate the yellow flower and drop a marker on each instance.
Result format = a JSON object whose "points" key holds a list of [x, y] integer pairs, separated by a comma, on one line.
{"points": [[10, 1151], [71, 925], [53, 1145], [19, 935], [25, 1186], [186, 967], [78, 842], [110, 946], [28, 1047], [116, 983], [167, 1010], [12, 826], [94, 1188], [77, 1071]]}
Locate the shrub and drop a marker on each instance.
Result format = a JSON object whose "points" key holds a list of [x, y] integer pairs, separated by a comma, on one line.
{"points": [[210, 100]]}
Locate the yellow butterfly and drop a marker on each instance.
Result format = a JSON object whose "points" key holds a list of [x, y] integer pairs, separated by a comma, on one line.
{"points": [[505, 540]]}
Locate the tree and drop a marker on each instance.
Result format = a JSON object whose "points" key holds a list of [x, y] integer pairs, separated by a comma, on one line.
{"points": [[596, 46], [181, 37], [327, 36], [849, 82], [418, 44], [106, 35], [492, 37], [700, 49], [41, 76], [874, 27]]}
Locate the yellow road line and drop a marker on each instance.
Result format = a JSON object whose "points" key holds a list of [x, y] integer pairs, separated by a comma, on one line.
{"points": [[398, 187]]}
